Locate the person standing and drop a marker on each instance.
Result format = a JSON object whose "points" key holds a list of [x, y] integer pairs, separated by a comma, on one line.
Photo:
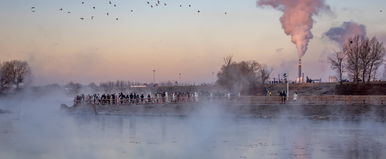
{"points": [[295, 96], [142, 98]]}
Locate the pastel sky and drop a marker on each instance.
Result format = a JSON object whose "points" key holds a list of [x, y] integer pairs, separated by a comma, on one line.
{"points": [[61, 48]]}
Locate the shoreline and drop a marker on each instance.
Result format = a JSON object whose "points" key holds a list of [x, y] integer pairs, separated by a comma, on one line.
{"points": [[352, 112]]}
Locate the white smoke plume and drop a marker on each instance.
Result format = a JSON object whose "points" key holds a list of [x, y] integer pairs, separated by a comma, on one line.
{"points": [[347, 30], [297, 19]]}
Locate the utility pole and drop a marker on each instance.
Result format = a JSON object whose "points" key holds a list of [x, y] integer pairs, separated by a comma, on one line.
{"points": [[179, 78], [214, 77], [153, 76], [285, 75], [287, 90]]}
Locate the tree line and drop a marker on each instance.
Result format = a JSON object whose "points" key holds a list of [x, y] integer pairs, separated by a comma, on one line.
{"points": [[117, 86], [14, 75], [360, 59]]}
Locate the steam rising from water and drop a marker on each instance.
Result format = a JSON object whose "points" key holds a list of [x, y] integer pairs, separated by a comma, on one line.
{"points": [[297, 19], [38, 129]]}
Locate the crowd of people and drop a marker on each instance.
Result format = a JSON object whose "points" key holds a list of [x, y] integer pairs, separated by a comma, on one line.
{"points": [[162, 97], [135, 98]]}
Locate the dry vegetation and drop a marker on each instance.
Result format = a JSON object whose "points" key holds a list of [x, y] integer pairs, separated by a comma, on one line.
{"points": [[13, 74], [359, 59]]}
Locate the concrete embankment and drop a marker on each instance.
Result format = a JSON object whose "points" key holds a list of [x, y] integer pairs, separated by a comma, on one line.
{"points": [[319, 108]]}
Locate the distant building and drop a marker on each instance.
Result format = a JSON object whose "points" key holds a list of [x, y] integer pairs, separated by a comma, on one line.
{"points": [[300, 80], [138, 86], [332, 79]]}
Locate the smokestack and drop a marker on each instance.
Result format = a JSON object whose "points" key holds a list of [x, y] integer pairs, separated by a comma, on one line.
{"points": [[297, 19], [300, 71]]}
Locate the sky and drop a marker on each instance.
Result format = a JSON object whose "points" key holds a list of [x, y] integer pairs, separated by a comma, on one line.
{"points": [[60, 47]]}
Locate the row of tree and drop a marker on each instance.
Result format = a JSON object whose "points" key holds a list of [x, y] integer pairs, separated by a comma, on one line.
{"points": [[114, 86], [360, 59], [242, 76], [13, 75]]}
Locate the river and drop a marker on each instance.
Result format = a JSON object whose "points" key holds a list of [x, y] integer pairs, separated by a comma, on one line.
{"points": [[37, 133]]}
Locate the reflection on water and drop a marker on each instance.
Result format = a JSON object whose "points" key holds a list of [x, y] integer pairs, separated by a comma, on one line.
{"points": [[177, 137]]}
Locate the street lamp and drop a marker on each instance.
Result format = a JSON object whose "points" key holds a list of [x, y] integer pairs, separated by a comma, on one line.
{"points": [[153, 76], [179, 78]]}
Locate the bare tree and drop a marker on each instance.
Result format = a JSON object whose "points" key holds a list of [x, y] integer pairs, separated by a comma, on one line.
{"points": [[364, 56], [337, 64], [73, 88], [228, 60], [376, 55], [93, 87], [121, 86], [107, 87], [14, 73], [5, 79], [265, 73], [352, 51]]}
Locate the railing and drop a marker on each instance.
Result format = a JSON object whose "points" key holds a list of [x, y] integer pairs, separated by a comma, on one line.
{"points": [[306, 100], [347, 100], [118, 101], [313, 100]]}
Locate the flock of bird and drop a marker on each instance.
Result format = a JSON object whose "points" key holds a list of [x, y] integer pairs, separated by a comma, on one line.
{"points": [[149, 3]]}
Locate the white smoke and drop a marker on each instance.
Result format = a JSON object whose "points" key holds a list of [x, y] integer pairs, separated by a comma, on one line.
{"points": [[297, 19], [347, 30]]}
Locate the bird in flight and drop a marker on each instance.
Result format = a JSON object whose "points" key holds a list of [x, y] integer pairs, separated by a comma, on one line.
{"points": [[150, 3], [33, 9]]}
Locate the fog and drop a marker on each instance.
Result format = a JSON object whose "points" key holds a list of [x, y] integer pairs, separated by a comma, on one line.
{"points": [[37, 128]]}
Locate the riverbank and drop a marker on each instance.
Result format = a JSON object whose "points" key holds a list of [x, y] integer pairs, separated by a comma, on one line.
{"points": [[315, 108]]}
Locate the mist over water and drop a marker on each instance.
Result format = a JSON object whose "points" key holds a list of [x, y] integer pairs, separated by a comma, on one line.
{"points": [[37, 128]]}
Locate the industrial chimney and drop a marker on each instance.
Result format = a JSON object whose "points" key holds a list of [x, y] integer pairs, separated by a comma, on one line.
{"points": [[300, 71]]}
